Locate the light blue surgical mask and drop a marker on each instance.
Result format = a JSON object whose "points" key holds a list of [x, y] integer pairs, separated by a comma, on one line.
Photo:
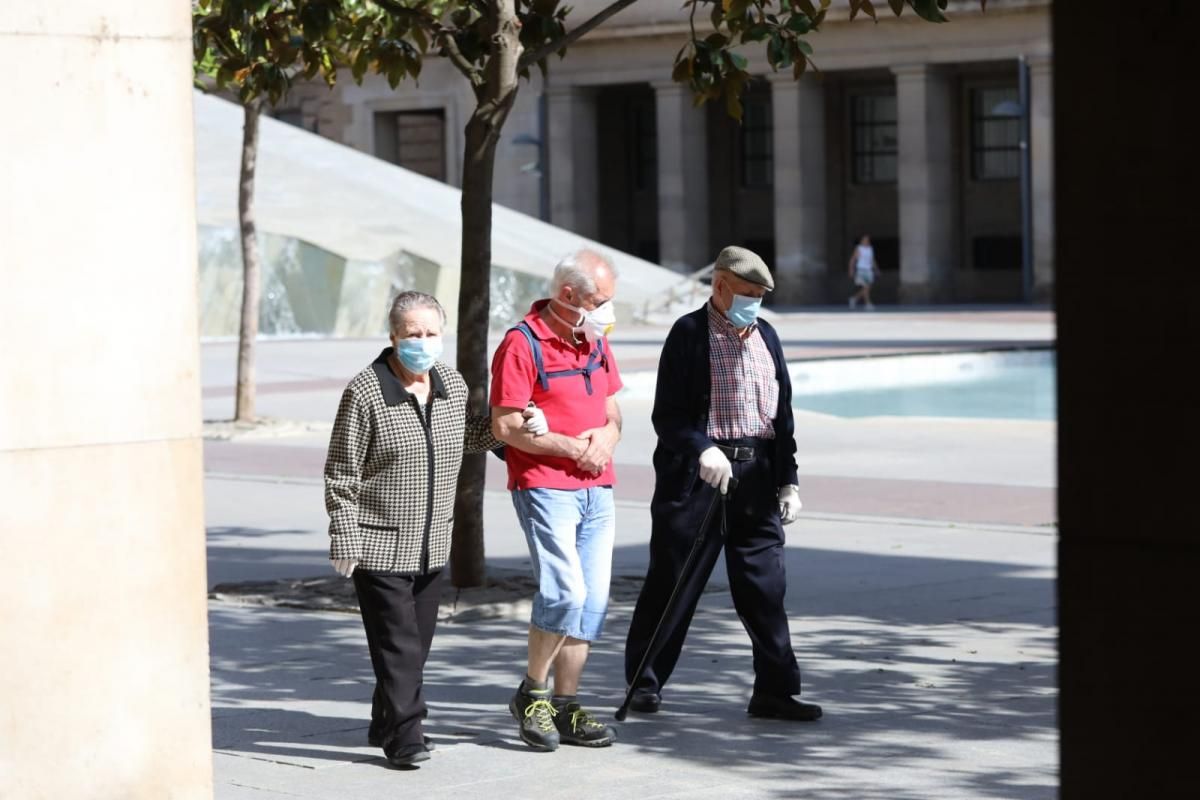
{"points": [[418, 354], [743, 310]]}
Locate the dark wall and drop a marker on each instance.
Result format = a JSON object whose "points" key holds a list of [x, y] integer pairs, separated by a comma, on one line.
{"points": [[1129, 576], [858, 208], [741, 205], [627, 182]]}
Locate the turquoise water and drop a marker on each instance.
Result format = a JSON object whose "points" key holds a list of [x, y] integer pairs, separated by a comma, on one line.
{"points": [[1018, 391]]}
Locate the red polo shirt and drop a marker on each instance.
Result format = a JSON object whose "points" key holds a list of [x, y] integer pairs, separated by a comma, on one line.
{"points": [[568, 407]]}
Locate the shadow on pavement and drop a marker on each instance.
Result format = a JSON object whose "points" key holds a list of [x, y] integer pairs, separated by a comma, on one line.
{"points": [[919, 663]]}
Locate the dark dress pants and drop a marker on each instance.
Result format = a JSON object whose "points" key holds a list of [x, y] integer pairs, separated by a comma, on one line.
{"points": [[399, 613], [757, 578]]}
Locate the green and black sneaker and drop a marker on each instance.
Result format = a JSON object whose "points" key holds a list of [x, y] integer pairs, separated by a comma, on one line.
{"points": [[536, 714], [577, 726]]}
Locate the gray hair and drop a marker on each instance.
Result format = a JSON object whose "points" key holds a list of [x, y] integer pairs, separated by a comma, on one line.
{"points": [[408, 300], [577, 269]]}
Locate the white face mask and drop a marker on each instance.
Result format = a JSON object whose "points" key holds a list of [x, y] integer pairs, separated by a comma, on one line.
{"points": [[592, 325]]}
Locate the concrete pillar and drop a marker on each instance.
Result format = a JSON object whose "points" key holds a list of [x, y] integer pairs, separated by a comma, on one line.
{"points": [[926, 183], [1127, 435], [1041, 143], [682, 132], [801, 252], [571, 124], [104, 679]]}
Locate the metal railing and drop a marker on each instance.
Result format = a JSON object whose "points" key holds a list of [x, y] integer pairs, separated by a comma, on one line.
{"points": [[689, 290]]}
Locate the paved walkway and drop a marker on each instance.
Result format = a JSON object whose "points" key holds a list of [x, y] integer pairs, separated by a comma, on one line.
{"points": [[920, 591]]}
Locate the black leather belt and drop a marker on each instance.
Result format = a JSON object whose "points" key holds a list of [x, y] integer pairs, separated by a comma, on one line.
{"points": [[737, 453]]}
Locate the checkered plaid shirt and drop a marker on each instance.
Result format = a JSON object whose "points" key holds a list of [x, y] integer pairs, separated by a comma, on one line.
{"points": [[390, 486], [745, 392]]}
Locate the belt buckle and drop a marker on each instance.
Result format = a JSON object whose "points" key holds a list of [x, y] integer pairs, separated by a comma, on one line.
{"points": [[742, 453]]}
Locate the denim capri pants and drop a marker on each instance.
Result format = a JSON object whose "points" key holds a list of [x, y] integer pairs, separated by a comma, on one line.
{"points": [[570, 535]]}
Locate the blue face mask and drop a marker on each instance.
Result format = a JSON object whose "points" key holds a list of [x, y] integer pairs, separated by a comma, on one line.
{"points": [[743, 310], [419, 354]]}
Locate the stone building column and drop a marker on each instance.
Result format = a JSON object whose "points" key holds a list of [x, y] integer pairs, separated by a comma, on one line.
{"points": [[801, 252], [1041, 143], [926, 183], [682, 141], [571, 128], [104, 678]]}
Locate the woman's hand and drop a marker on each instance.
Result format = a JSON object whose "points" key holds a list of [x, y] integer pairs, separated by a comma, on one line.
{"points": [[344, 566]]}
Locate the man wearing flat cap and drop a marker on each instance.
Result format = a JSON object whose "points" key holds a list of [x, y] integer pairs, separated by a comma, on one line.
{"points": [[722, 410]]}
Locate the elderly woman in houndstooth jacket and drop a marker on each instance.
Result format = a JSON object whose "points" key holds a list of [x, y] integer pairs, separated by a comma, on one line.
{"points": [[390, 477]]}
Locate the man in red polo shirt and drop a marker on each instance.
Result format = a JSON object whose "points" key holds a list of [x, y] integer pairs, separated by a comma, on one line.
{"points": [[561, 483]]}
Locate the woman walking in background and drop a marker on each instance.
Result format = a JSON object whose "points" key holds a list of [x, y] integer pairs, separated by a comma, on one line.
{"points": [[863, 270]]}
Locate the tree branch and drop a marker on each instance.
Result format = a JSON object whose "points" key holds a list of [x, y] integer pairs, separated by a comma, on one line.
{"points": [[446, 39], [534, 56]]}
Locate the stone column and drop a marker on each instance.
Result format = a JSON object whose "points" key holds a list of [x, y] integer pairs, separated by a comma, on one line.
{"points": [[104, 679], [1041, 143], [571, 128], [926, 183], [682, 132], [801, 254]]}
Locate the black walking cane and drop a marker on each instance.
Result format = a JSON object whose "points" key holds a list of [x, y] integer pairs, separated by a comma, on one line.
{"points": [[684, 574]]}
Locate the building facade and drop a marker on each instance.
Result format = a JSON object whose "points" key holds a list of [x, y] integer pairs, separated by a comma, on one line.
{"points": [[935, 140]]}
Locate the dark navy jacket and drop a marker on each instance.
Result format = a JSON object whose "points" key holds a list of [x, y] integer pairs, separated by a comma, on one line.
{"points": [[681, 404]]}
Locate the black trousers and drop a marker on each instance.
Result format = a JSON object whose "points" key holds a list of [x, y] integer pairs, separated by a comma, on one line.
{"points": [[753, 559], [399, 613]]}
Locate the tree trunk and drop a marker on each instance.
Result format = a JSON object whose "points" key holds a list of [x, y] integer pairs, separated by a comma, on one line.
{"points": [[494, 100], [248, 330]]}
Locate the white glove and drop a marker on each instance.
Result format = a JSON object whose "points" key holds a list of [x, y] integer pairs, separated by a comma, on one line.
{"points": [[344, 566], [789, 504], [715, 469], [535, 420]]}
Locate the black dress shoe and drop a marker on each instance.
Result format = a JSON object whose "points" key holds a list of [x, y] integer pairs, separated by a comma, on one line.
{"points": [[771, 706], [375, 739], [406, 755], [645, 701]]}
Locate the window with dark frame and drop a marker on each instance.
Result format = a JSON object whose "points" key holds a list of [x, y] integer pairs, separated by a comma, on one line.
{"points": [[758, 164], [415, 140], [874, 141], [995, 133]]}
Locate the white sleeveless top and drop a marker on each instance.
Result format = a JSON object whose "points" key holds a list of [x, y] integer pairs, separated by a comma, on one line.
{"points": [[866, 258]]}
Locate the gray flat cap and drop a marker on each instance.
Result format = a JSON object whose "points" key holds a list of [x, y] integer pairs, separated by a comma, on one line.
{"points": [[746, 265]]}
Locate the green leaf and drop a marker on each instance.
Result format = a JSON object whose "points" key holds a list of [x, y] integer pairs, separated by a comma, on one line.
{"points": [[807, 7], [800, 23], [756, 33], [738, 60], [869, 9], [928, 10], [798, 68], [897, 6], [420, 38], [733, 103], [682, 71], [804, 47], [361, 61], [777, 53]]}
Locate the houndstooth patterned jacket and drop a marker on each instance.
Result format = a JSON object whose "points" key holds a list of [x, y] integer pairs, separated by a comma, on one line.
{"points": [[392, 468]]}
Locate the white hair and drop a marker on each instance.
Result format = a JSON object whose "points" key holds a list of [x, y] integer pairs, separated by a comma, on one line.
{"points": [[408, 300], [578, 271]]}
